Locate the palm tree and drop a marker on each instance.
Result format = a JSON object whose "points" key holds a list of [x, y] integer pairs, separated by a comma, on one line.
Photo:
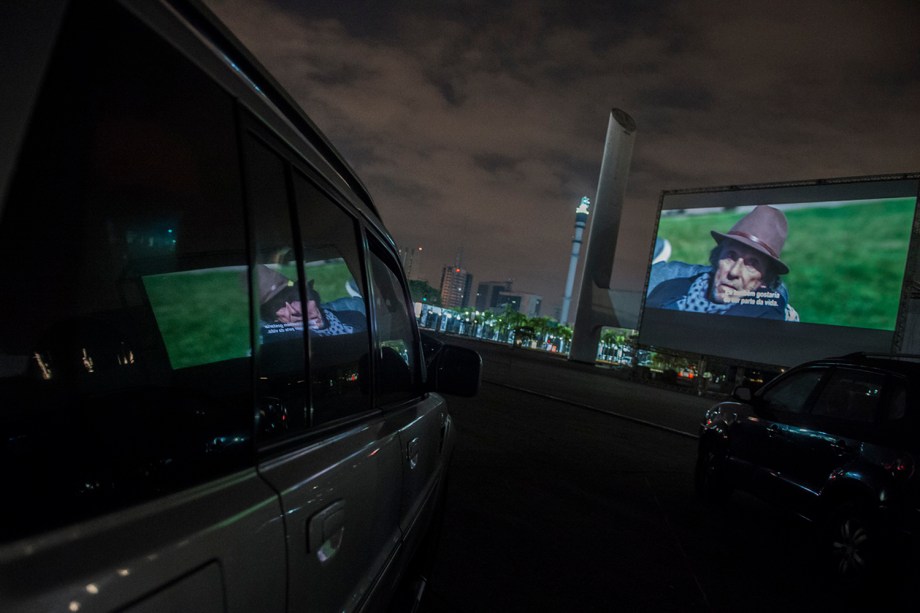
{"points": [[509, 320], [564, 333], [542, 326]]}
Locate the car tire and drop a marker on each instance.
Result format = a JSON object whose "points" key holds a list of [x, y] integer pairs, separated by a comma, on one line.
{"points": [[709, 477], [854, 546]]}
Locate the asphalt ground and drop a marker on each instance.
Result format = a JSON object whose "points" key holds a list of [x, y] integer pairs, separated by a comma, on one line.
{"points": [[571, 490], [590, 387]]}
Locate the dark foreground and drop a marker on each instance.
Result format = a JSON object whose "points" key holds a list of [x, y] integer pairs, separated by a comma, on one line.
{"points": [[553, 506]]}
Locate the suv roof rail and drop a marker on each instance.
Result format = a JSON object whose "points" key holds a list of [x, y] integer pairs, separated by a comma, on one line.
{"points": [[204, 19], [887, 356]]}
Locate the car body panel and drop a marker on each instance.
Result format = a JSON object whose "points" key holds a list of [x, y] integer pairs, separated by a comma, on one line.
{"points": [[334, 560], [208, 536], [423, 435]]}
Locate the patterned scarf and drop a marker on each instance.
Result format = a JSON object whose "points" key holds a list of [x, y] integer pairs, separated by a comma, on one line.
{"points": [[697, 298], [334, 326]]}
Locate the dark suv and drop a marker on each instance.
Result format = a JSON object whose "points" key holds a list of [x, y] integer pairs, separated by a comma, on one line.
{"points": [[834, 441], [214, 395]]}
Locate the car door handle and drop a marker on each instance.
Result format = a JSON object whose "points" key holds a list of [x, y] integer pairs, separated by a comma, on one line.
{"points": [[773, 430], [412, 453], [445, 425], [840, 446], [325, 530]]}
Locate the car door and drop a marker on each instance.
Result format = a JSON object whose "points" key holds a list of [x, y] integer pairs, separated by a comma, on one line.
{"points": [[125, 376], [841, 418], [421, 419], [759, 443], [334, 460]]}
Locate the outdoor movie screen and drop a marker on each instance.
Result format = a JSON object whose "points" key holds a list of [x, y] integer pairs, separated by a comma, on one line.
{"points": [[780, 274]]}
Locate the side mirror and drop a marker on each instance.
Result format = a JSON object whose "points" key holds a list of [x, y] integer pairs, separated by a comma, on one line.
{"points": [[742, 394], [455, 370], [430, 346]]}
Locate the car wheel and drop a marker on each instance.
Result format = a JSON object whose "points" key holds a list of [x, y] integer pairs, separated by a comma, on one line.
{"points": [[854, 545], [709, 478]]}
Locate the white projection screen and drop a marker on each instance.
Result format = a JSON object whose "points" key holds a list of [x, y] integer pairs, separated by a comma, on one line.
{"points": [[834, 286]]}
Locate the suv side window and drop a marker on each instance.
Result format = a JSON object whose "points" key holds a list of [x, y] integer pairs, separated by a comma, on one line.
{"points": [[124, 333], [851, 395], [396, 354], [895, 423], [791, 394], [280, 351], [308, 278], [336, 312], [896, 407]]}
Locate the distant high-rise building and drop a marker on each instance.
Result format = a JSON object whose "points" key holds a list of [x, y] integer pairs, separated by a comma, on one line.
{"points": [[456, 287], [488, 294], [581, 220], [498, 296], [411, 260], [522, 302]]}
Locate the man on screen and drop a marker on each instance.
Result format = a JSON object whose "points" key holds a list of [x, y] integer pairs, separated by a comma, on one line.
{"points": [[280, 304], [742, 277]]}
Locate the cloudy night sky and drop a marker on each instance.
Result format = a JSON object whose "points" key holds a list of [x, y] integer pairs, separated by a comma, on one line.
{"points": [[478, 126]]}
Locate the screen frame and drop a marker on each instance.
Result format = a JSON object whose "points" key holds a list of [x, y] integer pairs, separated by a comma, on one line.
{"points": [[777, 342]]}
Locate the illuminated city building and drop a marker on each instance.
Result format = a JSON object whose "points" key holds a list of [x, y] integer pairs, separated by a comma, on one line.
{"points": [[456, 287], [488, 294], [411, 261], [581, 220], [522, 302]]}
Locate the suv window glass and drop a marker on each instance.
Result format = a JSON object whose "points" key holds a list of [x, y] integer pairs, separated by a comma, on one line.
{"points": [[851, 395], [124, 368], [791, 394], [896, 407], [282, 395], [396, 358], [336, 311], [893, 419]]}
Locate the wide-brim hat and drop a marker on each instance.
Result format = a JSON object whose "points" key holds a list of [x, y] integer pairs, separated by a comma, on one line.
{"points": [[271, 283], [764, 229]]}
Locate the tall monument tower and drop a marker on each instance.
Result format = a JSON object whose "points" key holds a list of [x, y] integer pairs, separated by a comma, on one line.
{"points": [[595, 304], [581, 220]]}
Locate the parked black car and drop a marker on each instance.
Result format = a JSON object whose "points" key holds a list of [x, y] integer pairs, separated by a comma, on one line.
{"points": [[834, 441]]}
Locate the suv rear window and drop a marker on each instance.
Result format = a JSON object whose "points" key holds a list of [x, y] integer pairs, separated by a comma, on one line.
{"points": [[851, 395], [792, 393]]}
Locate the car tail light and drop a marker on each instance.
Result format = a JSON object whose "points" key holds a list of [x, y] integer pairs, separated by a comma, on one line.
{"points": [[901, 468]]}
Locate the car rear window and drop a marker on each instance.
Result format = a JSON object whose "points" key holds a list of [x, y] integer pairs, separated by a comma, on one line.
{"points": [[851, 395], [791, 393]]}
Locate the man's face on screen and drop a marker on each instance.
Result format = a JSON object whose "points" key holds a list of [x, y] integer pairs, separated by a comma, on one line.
{"points": [[292, 313], [289, 313], [739, 269]]}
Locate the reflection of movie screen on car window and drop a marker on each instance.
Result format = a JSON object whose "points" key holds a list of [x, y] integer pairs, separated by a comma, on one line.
{"points": [[808, 269], [202, 315], [331, 278]]}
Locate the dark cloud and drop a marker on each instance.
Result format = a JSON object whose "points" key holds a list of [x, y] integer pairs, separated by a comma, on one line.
{"points": [[493, 163], [478, 126], [677, 96]]}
